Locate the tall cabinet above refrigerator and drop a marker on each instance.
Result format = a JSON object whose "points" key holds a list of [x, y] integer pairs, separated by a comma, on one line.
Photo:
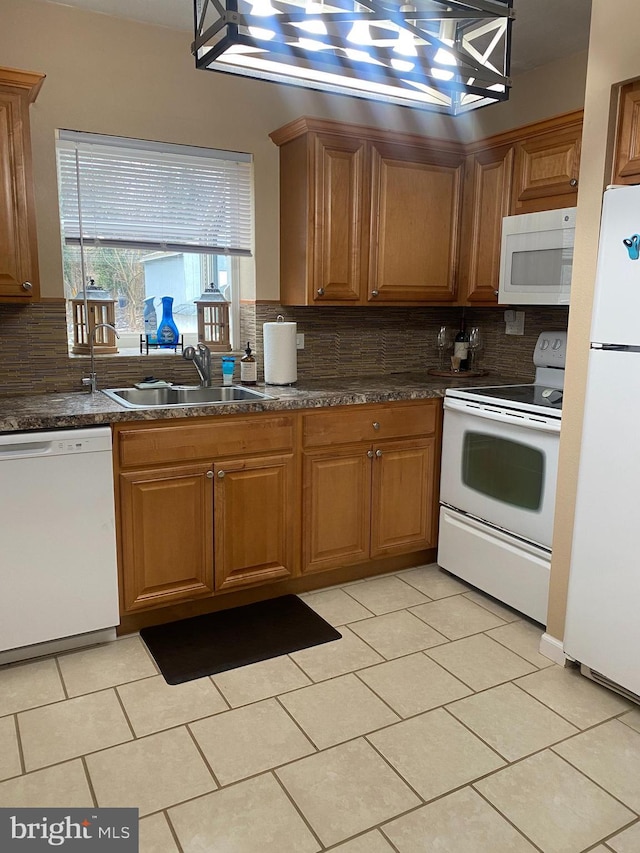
{"points": [[603, 609]]}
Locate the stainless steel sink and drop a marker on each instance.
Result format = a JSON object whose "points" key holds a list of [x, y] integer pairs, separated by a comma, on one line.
{"points": [[183, 395]]}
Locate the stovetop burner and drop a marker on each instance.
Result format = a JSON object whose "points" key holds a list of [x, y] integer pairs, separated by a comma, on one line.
{"points": [[542, 396]]}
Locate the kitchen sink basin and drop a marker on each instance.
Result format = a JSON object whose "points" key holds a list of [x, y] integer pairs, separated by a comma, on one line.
{"points": [[183, 395]]}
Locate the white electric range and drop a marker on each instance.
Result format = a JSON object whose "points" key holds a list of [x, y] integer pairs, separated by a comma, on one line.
{"points": [[498, 483]]}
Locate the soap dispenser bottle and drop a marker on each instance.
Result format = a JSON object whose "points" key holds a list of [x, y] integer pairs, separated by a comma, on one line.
{"points": [[248, 368], [168, 334]]}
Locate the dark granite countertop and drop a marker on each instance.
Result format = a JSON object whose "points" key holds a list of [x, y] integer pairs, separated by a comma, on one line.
{"points": [[59, 411]]}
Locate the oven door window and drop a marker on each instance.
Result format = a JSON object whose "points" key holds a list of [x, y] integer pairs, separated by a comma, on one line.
{"points": [[505, 470]]}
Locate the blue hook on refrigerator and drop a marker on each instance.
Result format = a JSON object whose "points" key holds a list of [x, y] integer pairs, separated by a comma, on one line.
{"points": [[633, 246]]}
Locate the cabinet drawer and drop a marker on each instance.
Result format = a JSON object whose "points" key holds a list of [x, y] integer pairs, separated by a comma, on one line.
{"points": [[369, 423], [204, 439]]}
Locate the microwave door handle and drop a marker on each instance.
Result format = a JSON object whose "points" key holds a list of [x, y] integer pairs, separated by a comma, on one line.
{"points": [[527, 422]]}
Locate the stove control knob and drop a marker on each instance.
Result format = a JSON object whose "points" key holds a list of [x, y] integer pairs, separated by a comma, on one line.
{"points": [[556, 344], [544, 344]]}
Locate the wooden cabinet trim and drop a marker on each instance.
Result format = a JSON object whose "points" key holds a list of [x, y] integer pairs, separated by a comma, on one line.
{"points": [[564, 121]]}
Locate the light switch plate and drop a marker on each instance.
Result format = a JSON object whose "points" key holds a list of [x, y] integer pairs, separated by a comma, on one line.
{"points": [[300, 340], [515, 324]]}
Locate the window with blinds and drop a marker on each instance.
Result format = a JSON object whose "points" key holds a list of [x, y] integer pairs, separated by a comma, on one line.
{"points": [[151, 220]]}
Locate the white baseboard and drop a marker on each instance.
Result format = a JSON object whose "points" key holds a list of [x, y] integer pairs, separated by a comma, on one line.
{"points": [[551, 648]]}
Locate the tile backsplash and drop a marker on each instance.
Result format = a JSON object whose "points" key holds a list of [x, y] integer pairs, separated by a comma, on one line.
{"points": [[338, 342]]}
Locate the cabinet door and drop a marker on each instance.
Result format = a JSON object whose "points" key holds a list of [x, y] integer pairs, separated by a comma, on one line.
{"points": [[18, 250], [626, 168], [339, 262], [487, 198], [546, 171], [166, 536], [336, 508], [415, 211], [254, 520], [403, 515]]}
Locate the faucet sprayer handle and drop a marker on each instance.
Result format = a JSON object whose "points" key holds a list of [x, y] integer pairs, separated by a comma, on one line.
{"points": [[188, 353]]}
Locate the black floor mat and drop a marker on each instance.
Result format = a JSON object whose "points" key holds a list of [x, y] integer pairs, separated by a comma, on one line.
{"points": [[216, 642]]}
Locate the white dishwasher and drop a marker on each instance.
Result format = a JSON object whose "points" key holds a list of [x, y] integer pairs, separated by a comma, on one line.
{"points": [[58, 574]]}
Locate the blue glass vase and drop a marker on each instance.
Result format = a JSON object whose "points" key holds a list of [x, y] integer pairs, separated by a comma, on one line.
{"points": [[167, 330]]}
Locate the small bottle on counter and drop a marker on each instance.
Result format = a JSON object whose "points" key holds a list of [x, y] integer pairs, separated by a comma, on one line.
{"points": [[461, 347], [248, 368]]}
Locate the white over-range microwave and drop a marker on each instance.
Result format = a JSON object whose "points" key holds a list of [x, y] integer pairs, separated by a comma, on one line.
{"points": [[537, 257]]}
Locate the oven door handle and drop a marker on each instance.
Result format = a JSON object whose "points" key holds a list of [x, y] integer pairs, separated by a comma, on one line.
{"points": [[526, 421]]}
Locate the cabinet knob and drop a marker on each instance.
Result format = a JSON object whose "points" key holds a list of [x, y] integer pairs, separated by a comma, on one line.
{"points": [[375, 292], [378, 453], [321, 291], [210, 475], [220, 475], [370, 454], [26, 285], [376, 425], [496, 293], [573, 182]]}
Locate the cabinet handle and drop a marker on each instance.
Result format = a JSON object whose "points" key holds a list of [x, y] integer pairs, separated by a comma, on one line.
{"points": [[376, 425], [321, 291], [370, 454], [573, 182], [378, 453], [496, 293], [375, 292], [220, 475], [210, 475], [26, 285]]}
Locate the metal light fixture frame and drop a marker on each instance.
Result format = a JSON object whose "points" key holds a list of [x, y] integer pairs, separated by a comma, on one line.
{"points": [[229, 38]]}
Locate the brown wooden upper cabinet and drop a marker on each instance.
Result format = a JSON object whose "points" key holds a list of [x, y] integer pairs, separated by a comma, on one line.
{"points": [[18, 247], [626, 164], [367, 217], [546, 166]]}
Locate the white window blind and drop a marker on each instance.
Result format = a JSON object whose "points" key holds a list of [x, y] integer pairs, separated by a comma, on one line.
{"points": [[148, 195]]}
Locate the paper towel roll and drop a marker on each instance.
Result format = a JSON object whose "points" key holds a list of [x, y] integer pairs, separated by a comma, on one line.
{"points": [[280, 356]]}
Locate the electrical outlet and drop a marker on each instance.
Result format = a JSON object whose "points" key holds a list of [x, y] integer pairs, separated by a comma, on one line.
{"points": [[514, 322], [300, 340]]}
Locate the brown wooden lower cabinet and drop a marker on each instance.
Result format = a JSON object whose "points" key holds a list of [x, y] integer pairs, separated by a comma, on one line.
{"points": [[165, 535], [194, 525]]}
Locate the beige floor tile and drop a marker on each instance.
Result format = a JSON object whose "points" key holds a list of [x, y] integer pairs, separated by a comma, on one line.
{"points": [[511, 721], [610, 755], [573, 696], [68, 729], [346, 790], [507, 614], [336, 658], [314, 708], [523, 638], [250, 740], [413, 684], [631, 719], [435, 753], [370, 842], [259, 681], [555, 806], [434, 582], [63, 786], [153, 705], [628, 841], [150, 774], [480, 662], [462, 822], [255, 816], [155, 835], [337, 607], [106, 666], [29, 686], [397, 634], [9, 753], [382, 595], [456, 617]]}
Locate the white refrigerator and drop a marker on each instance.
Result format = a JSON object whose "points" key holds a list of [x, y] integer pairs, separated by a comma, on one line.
{"points": [[603, 610]]}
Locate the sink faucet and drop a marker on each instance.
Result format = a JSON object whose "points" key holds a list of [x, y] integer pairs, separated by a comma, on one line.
{"points": [[92, 380], [202, 361]]}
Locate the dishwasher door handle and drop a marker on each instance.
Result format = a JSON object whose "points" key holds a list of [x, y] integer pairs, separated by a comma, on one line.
{"points": [[13, 450]]}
